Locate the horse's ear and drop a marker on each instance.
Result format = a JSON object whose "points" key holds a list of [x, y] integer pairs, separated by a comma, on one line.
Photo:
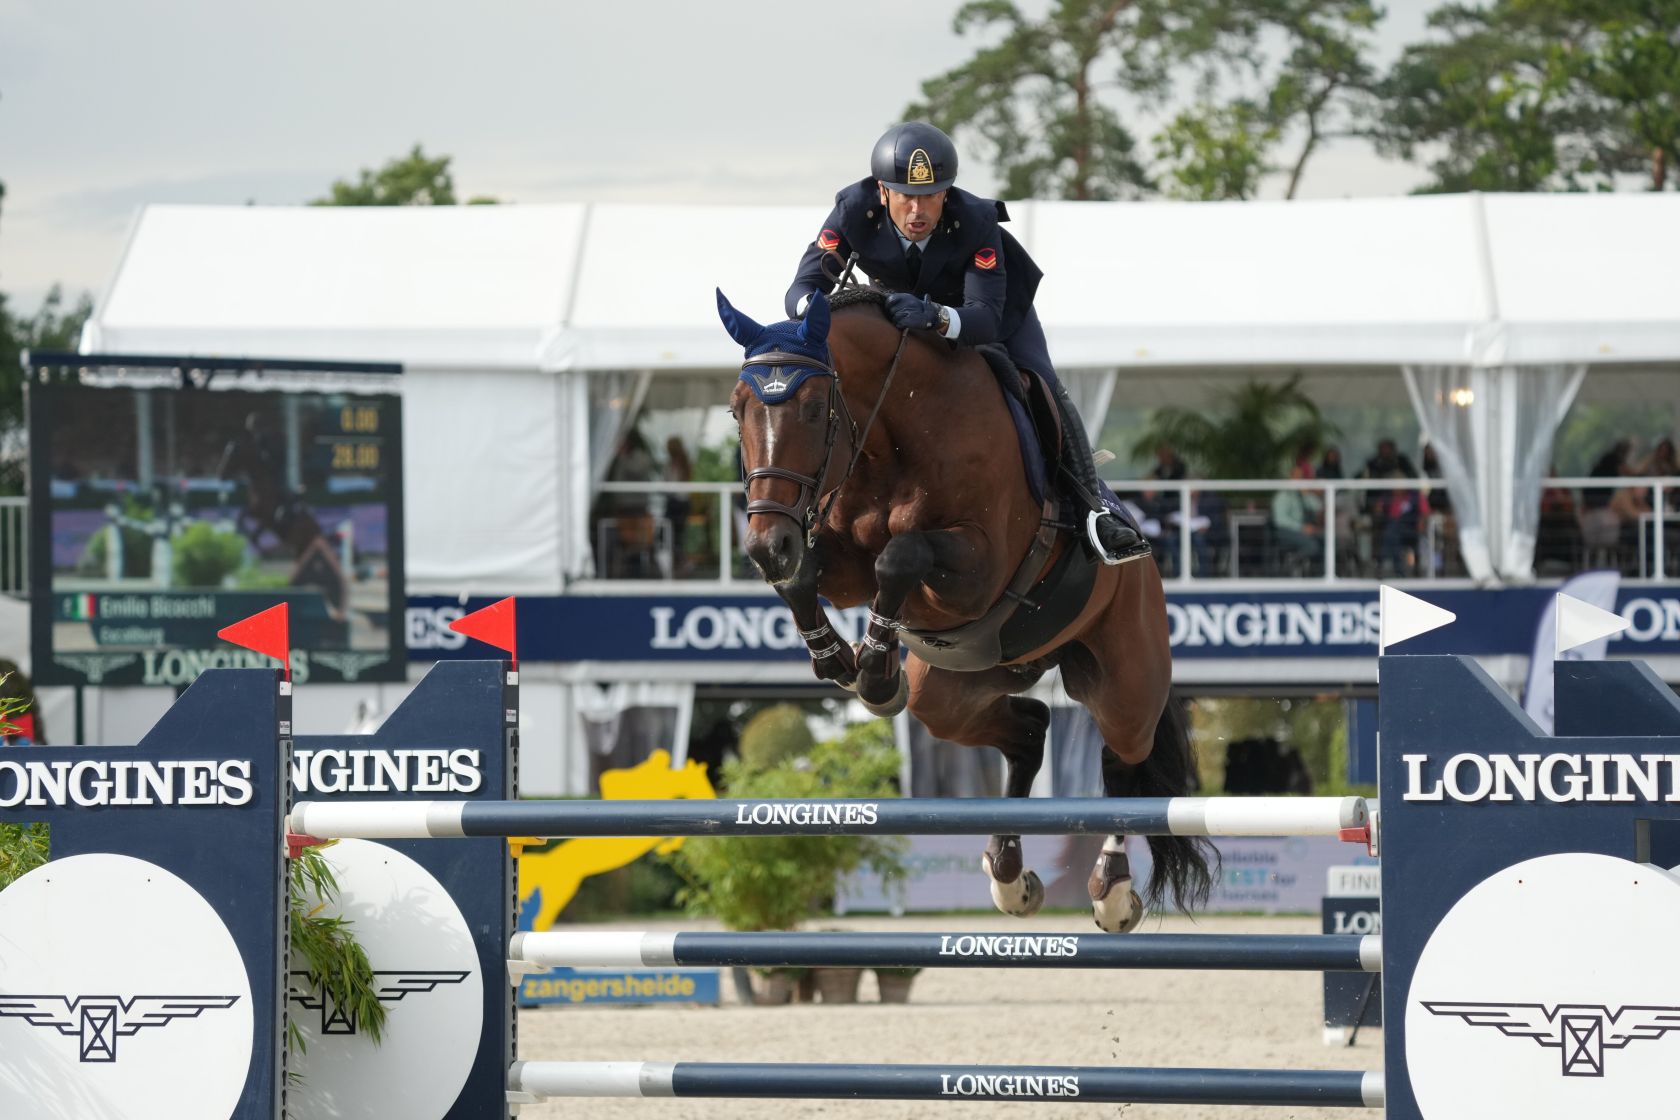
{"points": [[815, 327], [742, 329]]}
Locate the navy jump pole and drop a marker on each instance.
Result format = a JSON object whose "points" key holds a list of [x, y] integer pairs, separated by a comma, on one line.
{"points": [[1071, 1084], [979, 816], [1268, 952]]}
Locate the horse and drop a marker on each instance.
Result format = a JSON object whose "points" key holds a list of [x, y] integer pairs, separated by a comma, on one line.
{"points": [[926, 513]]}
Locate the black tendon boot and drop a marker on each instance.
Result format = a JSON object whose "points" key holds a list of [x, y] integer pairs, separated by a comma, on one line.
{"points": [[1111, 539]]}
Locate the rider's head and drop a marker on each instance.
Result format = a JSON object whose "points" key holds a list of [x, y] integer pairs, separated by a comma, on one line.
{"points": [[913, 164]]}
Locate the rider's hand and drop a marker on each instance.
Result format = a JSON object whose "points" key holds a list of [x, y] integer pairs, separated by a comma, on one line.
{"points": [[913, 312]]}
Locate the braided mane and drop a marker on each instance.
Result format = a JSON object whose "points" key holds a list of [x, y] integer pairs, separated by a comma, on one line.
{"points": [[857, 296]]}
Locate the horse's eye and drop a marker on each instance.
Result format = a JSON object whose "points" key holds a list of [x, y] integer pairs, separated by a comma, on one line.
{"points": [[811, 410]]}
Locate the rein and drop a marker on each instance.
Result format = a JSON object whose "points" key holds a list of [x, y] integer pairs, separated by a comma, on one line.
{"points": [[806, 513]]}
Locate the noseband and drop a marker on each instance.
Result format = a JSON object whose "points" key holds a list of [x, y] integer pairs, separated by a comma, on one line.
{"points": [[806, 514]]}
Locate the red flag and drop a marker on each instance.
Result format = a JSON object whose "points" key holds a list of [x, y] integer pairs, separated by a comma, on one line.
{"points": [[493, 624], [266, 632]]}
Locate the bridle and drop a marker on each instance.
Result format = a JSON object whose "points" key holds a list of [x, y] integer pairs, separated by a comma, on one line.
{"points": [[806, 513]]}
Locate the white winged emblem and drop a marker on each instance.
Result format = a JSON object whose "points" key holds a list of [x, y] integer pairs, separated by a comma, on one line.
{"points": [[96, 1022], [1582, 1031], [393, 986]]}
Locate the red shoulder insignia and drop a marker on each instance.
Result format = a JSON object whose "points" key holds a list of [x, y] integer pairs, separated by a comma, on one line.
{"points": [[828, 240], [986, 258]]}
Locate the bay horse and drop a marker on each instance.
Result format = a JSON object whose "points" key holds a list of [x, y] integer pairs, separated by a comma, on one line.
{"points": [[926, 513]]}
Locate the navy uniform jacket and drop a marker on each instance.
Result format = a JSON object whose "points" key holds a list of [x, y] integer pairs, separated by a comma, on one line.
{"points": [[969, 262]]}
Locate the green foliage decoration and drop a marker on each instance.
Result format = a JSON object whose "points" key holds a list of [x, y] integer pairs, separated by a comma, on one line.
{"points": [[775, 882], [775, 734], [204, 556]]}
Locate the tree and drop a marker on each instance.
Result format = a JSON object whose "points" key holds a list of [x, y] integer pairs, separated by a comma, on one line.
{"points": [[1251, 431], [411, 180], [50, 328], [1528, 95], [1314, 92], [1034, 103]]}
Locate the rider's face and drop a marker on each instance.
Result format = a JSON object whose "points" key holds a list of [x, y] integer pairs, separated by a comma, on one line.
{"points": [[915, 215]]}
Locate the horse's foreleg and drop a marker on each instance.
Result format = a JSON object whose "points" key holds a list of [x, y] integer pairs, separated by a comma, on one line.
{"points": [[831, 656], [907, 562]]}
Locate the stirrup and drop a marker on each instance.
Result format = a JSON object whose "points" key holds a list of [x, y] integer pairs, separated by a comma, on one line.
{"points": [[1144, 548]]}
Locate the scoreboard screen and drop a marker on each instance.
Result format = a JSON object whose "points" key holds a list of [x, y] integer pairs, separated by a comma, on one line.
{"points": [[170, 497]]}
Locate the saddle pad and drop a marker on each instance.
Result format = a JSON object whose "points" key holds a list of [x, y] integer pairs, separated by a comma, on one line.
{"points": [[1011, 380]]}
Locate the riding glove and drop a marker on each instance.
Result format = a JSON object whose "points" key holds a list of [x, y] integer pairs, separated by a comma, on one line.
{"points": [[913, 312]]}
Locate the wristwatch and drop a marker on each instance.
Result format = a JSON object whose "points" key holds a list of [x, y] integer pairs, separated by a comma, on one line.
{"points": [[944, 319]]}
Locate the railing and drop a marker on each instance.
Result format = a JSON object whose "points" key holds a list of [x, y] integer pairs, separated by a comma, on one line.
{"points": [[1228, 533], [14, 546]]}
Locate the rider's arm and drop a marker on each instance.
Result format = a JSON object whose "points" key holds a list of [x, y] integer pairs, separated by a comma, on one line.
{"points": [[810, 277], [980, 318]]}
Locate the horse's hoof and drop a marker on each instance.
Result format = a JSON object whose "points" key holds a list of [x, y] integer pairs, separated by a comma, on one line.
{"points": [[1021, 899], [893, 706], [1119, 912]]}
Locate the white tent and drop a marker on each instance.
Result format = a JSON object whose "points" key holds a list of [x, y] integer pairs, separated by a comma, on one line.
{"points": [[508, 315]]}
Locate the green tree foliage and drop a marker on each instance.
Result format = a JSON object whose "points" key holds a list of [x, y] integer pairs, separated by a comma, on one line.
{"points": [[1032, 101], [51, 327], [1303, 77], [412, 180], [1527, 95], [1038, 99], [1251, 431]]}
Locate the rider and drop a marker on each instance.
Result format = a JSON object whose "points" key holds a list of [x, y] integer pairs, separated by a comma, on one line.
{"points": [[952, 268]]}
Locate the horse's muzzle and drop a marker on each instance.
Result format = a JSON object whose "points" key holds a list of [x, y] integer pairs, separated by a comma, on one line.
{"points": [[775, 544]]}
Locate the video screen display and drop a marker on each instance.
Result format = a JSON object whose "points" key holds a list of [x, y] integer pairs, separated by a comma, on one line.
{"points": [[162, 511]]}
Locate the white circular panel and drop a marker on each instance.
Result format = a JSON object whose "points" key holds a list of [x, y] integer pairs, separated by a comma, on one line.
{"points": [[122, 996], [1551, 992], [420, 945]]}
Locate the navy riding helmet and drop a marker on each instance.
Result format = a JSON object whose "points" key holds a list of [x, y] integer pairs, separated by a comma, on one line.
{"points": [[914, 158]]}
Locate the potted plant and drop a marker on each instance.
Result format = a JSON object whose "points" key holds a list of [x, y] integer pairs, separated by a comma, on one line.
{"points": [[753, 883], [894, 983]]}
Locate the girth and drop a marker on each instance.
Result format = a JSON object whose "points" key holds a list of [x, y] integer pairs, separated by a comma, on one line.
{"points": [[1005, 633]]}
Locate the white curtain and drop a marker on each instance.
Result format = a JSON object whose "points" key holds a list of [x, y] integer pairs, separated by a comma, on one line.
{"points": [[1091, 390], [1493, 429], [597, 409]]}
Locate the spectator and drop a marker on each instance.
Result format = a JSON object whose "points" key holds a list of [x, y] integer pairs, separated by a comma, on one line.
{"points": [[1330, 466], [1558, 538], [678, 468], [1394, 513], [1298, 517], [1168, 466], [1611, 464]]}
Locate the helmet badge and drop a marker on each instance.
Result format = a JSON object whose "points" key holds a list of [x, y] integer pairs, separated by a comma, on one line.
{"points": [[920, 171]]}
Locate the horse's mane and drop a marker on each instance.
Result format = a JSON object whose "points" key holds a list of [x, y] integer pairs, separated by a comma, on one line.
{"points": [[858, 296]]}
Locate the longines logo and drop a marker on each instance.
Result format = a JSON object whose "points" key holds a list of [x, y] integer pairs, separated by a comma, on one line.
{"points": [[366, 770], [123, 783], [393, 987], [1008, 1085], [96, 1022], [1006, 945], [1553, 777], [1582, 1032], [805, 813]]}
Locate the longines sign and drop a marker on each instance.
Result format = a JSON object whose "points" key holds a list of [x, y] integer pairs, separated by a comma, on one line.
{"points": [[1558, 778], [755, 626]]}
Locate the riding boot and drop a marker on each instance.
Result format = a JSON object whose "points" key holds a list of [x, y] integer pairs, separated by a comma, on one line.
{"points": [[1112, 540]]}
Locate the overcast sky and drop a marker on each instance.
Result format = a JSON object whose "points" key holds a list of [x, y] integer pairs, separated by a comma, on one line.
{"points": [[106, 105]]}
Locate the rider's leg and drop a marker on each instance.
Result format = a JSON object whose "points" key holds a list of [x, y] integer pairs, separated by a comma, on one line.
{"points": [[1114, 541]]}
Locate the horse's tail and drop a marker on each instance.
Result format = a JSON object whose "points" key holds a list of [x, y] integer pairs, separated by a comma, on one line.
{"points": [[1184, 865]]}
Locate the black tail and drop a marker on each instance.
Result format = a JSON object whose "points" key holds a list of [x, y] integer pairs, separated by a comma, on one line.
{"points": [[1187, 865]]}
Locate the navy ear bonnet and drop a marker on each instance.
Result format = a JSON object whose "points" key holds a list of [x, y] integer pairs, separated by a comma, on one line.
{"points": [[795, 350]]}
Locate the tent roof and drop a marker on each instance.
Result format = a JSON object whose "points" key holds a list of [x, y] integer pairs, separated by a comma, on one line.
{"points": [[1158, 285]]}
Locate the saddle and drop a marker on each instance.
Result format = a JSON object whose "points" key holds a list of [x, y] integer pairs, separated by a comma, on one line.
{"points": [[1038, 421], [1042, 599]]}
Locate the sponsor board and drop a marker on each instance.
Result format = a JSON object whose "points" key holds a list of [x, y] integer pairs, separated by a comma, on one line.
{"points": [[755, 626], [574, 986]]}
